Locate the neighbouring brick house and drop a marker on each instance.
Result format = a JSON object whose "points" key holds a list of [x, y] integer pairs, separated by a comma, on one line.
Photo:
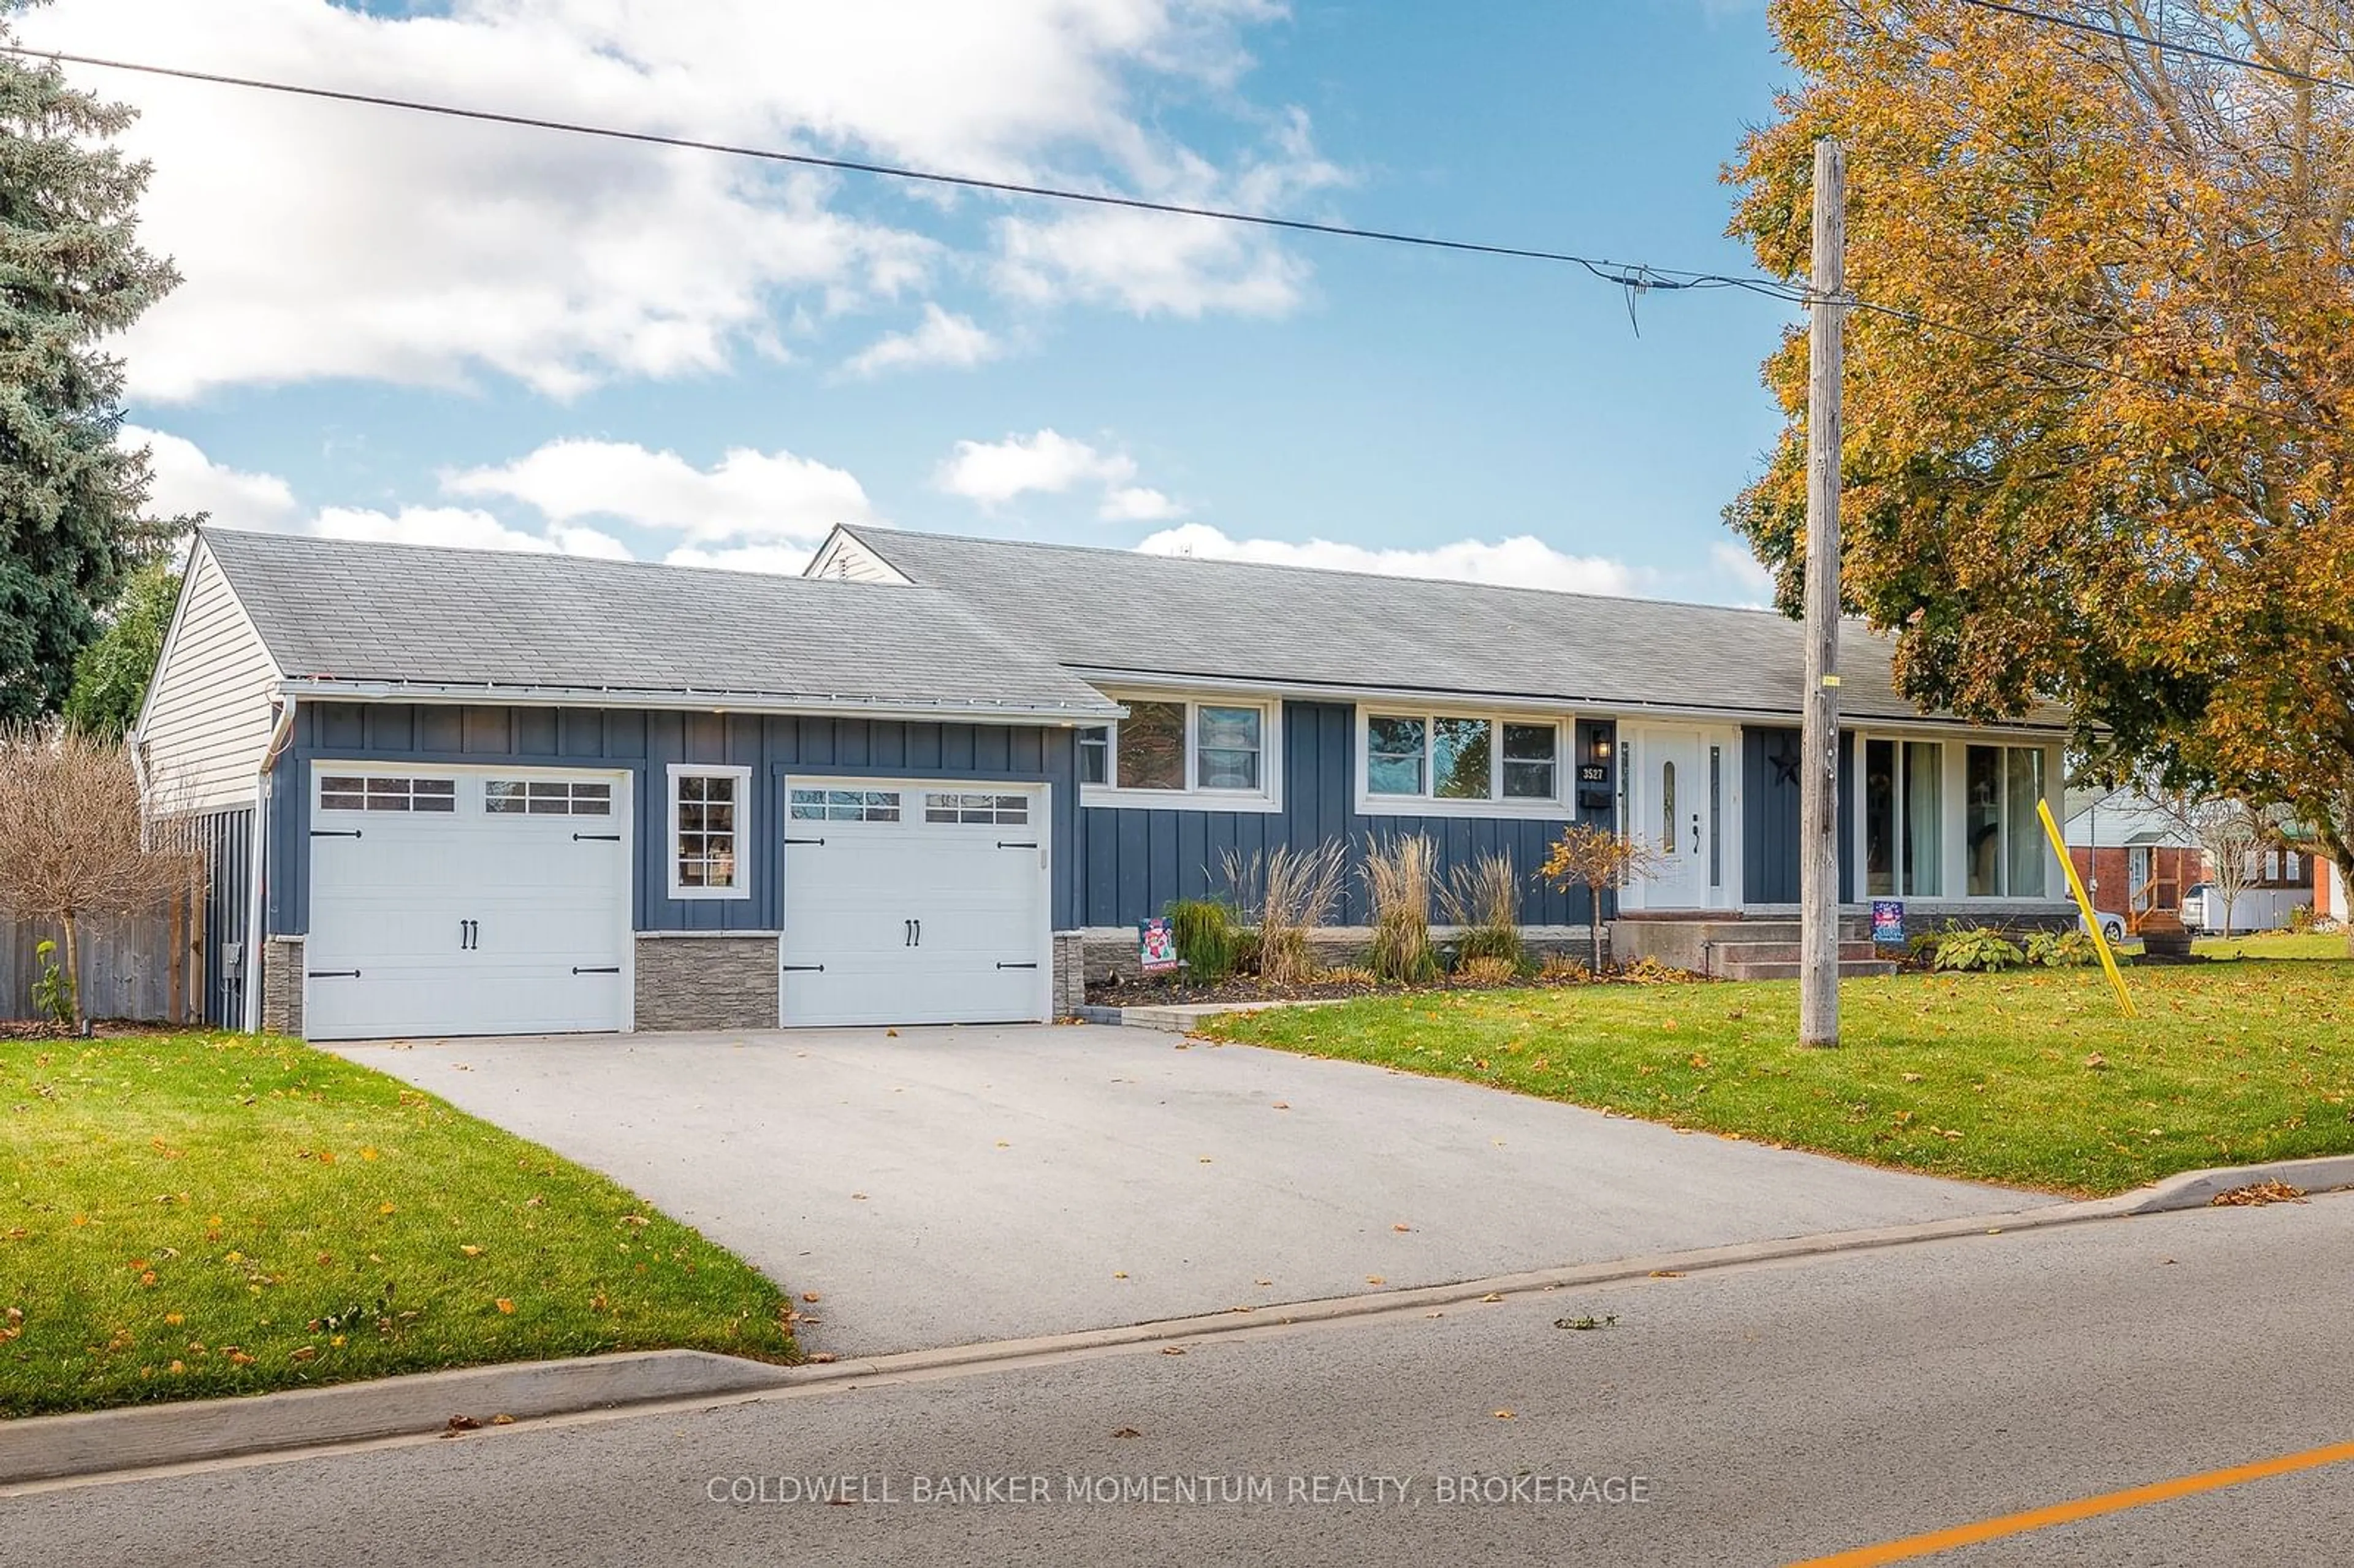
{"points": [[2133, 859]]}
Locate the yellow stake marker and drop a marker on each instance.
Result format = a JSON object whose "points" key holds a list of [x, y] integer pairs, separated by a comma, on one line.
{"points": [[2092, 919]]}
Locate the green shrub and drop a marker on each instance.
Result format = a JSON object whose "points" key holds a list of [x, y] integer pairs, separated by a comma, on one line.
{"points": [[1206, 938], [2060, 950], [53, 993], [1984, 949]]}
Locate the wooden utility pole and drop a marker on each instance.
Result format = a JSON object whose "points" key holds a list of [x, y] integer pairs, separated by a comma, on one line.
{"points": [[1819, 936]]}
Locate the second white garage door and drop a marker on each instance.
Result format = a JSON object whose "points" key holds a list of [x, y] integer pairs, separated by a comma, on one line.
{"points": [[914, 903]]}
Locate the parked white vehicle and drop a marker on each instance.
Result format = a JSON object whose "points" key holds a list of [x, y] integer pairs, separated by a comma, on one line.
{"points": [[2112, 926], [2257, 909]]}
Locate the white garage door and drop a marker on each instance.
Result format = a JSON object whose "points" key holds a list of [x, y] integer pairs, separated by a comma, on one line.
{"points": [[913, 903], [457, 902]]}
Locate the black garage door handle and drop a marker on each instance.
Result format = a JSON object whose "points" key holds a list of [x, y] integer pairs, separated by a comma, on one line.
{"points": [[805, 841], [803, 968], [607, 838], [333, 974], [604, 969], [1017, 966], [1003, 844], [334, 833]]}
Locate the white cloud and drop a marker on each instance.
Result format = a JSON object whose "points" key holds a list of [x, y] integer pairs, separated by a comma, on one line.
{"points": [[1520, 561], [1750, 577], [994, 472], [748, 498], [427, 526], [323, 240], [1138, 504], [942, 339], [188, 481]]}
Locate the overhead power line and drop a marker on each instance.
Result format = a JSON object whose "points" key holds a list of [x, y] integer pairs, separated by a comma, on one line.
{"points": [[1625, 274], [1634, 277], [2164, 46]]}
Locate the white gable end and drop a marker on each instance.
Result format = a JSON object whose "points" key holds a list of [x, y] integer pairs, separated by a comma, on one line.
{"points": [[207, 718]]}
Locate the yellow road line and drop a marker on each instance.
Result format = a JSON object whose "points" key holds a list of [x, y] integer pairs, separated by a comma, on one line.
{"points": [[1961, 1535]]}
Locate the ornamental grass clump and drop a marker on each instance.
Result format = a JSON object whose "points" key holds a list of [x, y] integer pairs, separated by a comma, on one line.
{"points": [[1287, 894], [1398, 885], [1483, 899]]}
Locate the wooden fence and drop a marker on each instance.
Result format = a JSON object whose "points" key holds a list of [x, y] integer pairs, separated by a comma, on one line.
{"points": [[149, 970]]}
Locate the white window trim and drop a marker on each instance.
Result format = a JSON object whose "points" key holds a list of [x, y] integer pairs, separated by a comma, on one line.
{"points": [[1953, 830], [1268, 796], [1555, 808], [744, 840]]}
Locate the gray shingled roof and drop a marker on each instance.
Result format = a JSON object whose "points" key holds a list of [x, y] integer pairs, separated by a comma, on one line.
{"points": [[337, 610], [1117, 610]]}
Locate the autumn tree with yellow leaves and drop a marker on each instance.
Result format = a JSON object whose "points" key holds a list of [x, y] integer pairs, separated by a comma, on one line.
{"points": [[2100, 383]]}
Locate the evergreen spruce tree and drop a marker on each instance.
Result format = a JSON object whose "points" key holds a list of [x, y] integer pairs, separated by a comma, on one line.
{"points": [[73, 504]]}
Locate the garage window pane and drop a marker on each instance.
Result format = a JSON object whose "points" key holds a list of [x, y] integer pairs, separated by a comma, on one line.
{"points": [[1006, 810], [808, 805], [435, 794], [342, 794], [592, 800], [502, 798]]}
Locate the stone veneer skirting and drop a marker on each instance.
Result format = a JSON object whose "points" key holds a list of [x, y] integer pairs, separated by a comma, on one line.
{"points": [[722, 980], [1111, 951], [1070, 981], [281, 985]]}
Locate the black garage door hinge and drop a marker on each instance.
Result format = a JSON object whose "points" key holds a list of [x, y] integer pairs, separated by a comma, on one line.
{"points": [[805, 841], [1017, 966], [597, 970], [607, 838], [803, 968], [333, 974], [334, 833], [1003, 844]]}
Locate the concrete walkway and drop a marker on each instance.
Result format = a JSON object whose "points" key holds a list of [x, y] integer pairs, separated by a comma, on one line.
{"points": [[944, 1186]]}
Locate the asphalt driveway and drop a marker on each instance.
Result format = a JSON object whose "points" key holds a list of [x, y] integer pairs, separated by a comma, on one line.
{"points": [[944, 1186]]}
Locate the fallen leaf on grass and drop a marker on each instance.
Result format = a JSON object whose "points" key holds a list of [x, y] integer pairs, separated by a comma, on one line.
{"points": [[470, 1249], [503, 1305]]}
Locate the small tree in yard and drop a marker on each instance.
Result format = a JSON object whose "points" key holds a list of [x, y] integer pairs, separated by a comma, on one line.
{"points": [[2229, 832], [72, 841], [1597, 860]]}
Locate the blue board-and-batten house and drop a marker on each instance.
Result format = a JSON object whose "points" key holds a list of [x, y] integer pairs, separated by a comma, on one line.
{"points": [[497, 792]]}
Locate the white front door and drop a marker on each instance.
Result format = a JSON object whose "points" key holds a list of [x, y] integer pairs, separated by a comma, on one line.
{"points": [[908, 902], [462, 901], [1683, 803]]}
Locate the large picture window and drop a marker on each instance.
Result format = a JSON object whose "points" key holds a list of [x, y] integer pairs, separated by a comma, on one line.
{"points": [[2002, 838], [1445, 756], [1904, 819], [1181, 747]]}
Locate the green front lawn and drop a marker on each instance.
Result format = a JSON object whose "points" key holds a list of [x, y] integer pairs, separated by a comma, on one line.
{"points": [[193, 1215], [2031, 1080], [2276, 945]]}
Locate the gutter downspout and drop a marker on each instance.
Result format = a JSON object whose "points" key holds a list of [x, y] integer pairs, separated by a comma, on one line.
{"points": [[281, 732]]}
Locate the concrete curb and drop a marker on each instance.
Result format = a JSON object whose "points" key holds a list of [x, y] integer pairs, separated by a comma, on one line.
{"points": [[1180, 1018], [140, 1436], [2197, 1189]]}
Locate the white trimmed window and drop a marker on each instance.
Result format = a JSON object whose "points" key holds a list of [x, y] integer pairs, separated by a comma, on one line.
{"points": [[2003, 846], [547, 798], [1219, 752], [1461, 761], [707, 832], [372, 792]]}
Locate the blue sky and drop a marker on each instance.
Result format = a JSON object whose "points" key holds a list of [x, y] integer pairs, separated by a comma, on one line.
{"points": [[480, 335]]}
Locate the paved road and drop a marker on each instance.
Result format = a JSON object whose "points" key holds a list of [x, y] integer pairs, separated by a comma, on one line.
{"points": [[1776, 1413], [942, 1186]]}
